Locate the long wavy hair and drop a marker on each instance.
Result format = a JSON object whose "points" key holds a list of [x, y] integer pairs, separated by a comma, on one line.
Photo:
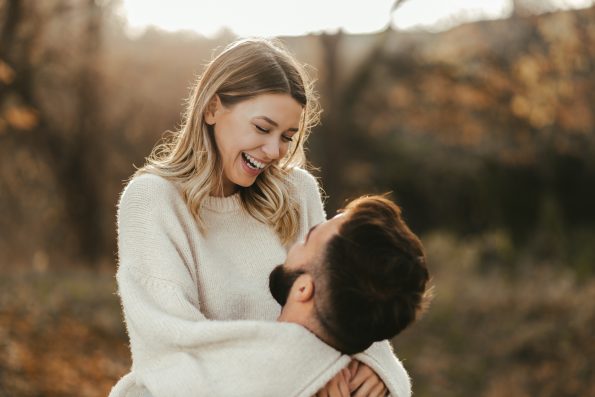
{"points": [[244, 69]]}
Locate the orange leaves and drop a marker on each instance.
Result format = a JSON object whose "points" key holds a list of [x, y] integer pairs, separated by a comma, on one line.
{"points": [[399, 96], [471, 97], [54, 339], [6, 73], [16, 116], [529, 68], [578, 118], [21, 117], [510, 89]]}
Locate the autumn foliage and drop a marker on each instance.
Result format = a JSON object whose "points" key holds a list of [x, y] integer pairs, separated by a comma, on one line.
{"points": [[485, 134]]}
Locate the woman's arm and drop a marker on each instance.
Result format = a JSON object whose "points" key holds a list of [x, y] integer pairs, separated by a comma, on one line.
{"points": [[174, 356], [381, 359], [176, 351]]}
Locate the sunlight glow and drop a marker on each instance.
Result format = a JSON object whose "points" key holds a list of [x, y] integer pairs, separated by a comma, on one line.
{"points": [[298, 17], [438, 14]]}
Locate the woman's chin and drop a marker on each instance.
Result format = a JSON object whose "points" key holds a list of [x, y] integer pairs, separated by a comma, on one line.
{"points": [[245, 179], [245, 182]]}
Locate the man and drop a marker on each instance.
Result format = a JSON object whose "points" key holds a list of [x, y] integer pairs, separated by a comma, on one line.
{"points": [[358, 278]]}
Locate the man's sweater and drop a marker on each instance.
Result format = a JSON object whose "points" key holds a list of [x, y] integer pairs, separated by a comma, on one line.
{"points": [[198, 309]]}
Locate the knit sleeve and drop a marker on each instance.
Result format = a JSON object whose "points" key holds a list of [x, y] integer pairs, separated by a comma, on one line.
{"points": [[176, 351], [382, 360], [309, 192]]}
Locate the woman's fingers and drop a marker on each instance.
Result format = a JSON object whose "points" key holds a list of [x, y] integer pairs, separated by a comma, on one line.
{"points": [[364, 381], [322, 392], [365, 390], [353, 365], [379, 390], [363, 373], [336, 387], [344, 382], [333, 390]]}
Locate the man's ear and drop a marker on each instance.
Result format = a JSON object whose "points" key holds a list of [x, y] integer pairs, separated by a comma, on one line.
{"points": [[213, 109], [303, 288]]}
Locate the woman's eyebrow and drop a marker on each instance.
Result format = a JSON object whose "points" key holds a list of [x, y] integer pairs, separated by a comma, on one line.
{"points": [[275, 124]]}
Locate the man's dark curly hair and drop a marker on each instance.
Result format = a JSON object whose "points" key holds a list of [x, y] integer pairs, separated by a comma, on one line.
{"points": [[373, 276]]}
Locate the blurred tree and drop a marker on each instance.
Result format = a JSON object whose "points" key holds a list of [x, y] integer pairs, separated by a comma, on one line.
{"points": [[51, 51], [484, 126], [523, 8], [487, 124], [337, 143]]}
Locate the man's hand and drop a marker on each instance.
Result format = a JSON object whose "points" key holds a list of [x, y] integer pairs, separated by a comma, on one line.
{"points": [[364, 381], [338, 386]]}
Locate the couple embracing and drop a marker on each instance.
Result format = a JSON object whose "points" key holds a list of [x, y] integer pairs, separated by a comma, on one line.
{"points": [[232, 281]]}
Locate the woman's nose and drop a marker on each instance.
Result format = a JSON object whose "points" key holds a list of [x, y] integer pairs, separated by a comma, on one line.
{"points": [[271, 149]]}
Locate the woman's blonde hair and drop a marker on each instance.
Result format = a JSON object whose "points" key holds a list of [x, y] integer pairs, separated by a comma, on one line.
{"points": [[243, 70]]}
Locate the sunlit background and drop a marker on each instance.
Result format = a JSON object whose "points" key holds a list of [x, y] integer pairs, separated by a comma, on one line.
{"points": [[478, 116], [298, 17]]}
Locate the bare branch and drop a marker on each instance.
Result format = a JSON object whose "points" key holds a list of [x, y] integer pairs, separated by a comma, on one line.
{"points": [[396, 4]]}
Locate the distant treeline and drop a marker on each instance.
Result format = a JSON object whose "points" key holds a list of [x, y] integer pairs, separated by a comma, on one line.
{"points": [[487, 126]]}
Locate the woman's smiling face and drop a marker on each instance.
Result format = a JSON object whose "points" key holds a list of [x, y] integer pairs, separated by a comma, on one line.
{"points": [[251, 135]]}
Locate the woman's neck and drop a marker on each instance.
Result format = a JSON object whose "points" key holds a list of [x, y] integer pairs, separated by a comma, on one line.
{"points": [[227, 189]]}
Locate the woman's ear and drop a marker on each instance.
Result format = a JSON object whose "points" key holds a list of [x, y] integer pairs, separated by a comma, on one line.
{"points": [[213, 109], [303, 288]]}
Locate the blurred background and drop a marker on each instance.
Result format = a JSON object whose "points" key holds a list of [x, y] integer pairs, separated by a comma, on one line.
{"points": [[479, 117]]}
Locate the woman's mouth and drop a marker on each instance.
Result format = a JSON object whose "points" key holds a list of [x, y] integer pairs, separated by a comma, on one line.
{"points": [[253, 166]]}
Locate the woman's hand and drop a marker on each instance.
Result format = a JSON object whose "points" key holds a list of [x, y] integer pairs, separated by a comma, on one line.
{"points": [[338, 386], [364, 381]]}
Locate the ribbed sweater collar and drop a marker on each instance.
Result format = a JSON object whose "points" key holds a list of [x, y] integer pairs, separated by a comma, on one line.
{"points": [[223, 204]]}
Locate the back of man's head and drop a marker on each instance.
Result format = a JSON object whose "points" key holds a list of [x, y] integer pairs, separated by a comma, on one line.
{"points": [[372, 281]]}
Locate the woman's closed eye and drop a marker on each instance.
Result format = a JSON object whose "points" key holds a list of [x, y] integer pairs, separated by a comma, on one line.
{"points": [[261, 129]]}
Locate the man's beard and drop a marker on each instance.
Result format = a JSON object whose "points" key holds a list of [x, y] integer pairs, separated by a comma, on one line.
{"points": [[281, 281]]}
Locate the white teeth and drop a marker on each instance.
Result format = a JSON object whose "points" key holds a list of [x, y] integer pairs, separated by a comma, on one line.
{"points": [[253, 162]]}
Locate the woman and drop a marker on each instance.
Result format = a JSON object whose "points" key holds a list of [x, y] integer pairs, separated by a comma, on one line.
{"points": [[203, 223]]}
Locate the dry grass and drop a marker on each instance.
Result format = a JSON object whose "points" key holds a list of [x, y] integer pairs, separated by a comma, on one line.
{"points": [[493, 329], [526, 330], [61, 334]]}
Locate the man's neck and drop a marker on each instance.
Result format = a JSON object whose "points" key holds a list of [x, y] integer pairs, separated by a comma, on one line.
{"points": [[305, 320]]}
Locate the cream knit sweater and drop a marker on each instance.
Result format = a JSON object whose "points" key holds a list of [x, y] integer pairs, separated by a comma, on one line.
{"points": [[197, 307]]}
